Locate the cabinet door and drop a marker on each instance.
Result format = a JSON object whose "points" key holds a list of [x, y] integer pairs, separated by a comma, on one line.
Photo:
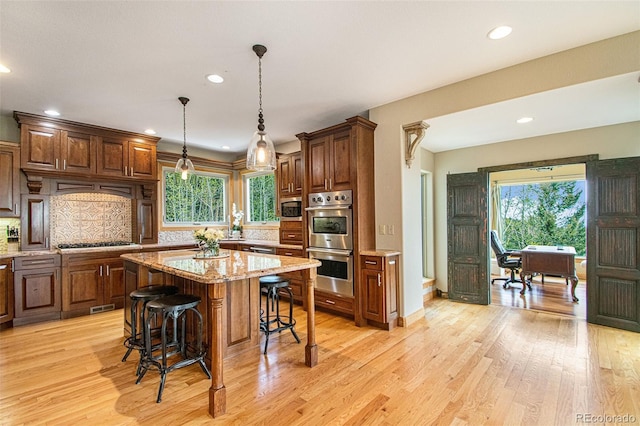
{"points": [[6, 290], [40, 148], [318, 167], [78, 152], [284, 177], [340, 162], [374, 295], [82, 286], [37, 292], [113, 279], [113, 157], [9, 181], [146, 222], [34, 221], [142, 160], [296, 174]]}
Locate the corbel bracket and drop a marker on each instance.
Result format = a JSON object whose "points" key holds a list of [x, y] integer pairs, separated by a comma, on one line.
{"points": [[413, 135]]}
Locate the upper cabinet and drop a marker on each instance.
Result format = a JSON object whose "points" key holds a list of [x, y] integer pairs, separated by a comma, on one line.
{"points": [[290, 175], [62, 148], [9, 180]]}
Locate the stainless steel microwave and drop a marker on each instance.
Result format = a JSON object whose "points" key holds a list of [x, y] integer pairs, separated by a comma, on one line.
{"points": [[291, 209]]}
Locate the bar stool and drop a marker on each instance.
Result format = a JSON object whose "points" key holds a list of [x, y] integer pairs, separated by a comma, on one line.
{"points": [[139, 300], [174, 341], [271, 286]]}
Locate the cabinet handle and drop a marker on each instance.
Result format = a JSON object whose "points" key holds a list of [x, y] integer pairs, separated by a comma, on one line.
{"points": [[288, 254], [131, 168], [3, 267], [291, 235], [64, 164], [325, 184], [125, 171], [331, 302], [46, 242], [13, 265], [15, 207], [379, 280], [56, 164], [392, 262], [330, 184], [100, 270], [370, 262], [140, 239], [107, 270]]}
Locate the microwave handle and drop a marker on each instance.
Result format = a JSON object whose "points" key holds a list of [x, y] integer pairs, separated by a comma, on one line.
{"points": [[328, 208]]}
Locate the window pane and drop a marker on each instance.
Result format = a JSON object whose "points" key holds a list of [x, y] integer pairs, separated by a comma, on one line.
{"points": [[261, 198], [199, 199]]}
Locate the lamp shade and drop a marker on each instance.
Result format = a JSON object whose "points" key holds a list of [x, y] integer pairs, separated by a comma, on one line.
{"points": [[261, 154], [184, 166]]}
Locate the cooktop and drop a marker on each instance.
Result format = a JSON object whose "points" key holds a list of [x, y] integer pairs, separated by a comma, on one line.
{"points": [[95, 244]]}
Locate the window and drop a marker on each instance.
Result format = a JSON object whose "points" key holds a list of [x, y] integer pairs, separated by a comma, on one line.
{"points": [[261, 197], [201, 199]]}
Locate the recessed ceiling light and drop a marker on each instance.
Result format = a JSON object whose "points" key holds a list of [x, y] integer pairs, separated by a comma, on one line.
{"points": [[499, 32], [226, 147], [215, 78], [523, 120], [52, 112], [4, 69], [150, 132]]}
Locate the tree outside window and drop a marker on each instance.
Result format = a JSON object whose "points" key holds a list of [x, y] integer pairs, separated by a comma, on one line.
{"points": [[199, 199], [550, 213], [261, 197]]}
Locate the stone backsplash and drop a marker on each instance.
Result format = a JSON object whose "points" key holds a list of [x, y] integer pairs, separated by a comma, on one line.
{"points": [[88, 217], [167, 237]]}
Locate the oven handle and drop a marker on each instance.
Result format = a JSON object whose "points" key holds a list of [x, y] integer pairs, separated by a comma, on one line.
{"points": [[328, 208], [337, 252]]}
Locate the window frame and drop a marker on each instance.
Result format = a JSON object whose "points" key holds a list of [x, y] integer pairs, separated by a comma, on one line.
{"points": [[225, 176], [246, 175]]}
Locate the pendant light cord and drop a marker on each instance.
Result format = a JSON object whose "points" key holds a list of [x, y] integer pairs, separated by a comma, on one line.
{"points": [[260, 116]]}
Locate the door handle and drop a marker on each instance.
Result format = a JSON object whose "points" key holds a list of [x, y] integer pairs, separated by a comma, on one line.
{"points": [[64, 164], [100, 270], [379, 280]]}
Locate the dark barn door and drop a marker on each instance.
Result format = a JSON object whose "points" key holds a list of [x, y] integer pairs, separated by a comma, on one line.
{"points": [[613, 243], [467, 257]]}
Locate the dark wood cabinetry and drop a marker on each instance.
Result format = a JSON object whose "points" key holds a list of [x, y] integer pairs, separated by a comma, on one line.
{"points": [[92, 283], [330, 162], [37, 289], [290, 175], [121, 157], [291, 232], [379, 284], [9, 180], [296, 281], [6, 290], [34, 222]]}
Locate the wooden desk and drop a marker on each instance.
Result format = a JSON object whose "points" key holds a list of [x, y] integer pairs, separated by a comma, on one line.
{"points": [[554, 260], [230, 289]]}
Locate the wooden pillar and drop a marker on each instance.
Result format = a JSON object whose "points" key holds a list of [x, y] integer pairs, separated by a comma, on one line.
{"points": [[217, 391]]}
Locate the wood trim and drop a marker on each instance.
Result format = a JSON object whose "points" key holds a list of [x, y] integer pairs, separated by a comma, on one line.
{"points": [[540, 163], [406, 321], [166, 158]]}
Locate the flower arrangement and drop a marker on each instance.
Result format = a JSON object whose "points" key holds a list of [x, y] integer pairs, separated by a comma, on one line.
{"points": [[237, 217], [209, 240]]}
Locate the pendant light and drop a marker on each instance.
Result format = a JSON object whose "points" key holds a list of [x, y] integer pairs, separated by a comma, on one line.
{"points": [[261, 154], [184, 166]]}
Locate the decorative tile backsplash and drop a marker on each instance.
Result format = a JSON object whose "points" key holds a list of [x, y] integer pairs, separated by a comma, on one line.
{"points": [[88, 217], [166, 237], [4, 241]]}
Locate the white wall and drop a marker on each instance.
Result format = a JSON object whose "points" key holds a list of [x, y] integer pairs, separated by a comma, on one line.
{"points": [[398, 187]]}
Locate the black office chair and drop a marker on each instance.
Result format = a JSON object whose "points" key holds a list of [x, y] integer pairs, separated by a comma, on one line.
{"points": [[506, 260]]}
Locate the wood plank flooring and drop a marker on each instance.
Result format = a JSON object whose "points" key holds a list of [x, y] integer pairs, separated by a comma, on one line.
{"points": [[462, 364]]}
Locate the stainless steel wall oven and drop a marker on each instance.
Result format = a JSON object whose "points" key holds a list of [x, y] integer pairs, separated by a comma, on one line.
{"points": [[330, 226]]}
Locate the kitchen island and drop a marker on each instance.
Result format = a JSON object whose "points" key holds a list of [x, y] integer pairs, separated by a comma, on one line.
{"points": [[230, 291]]}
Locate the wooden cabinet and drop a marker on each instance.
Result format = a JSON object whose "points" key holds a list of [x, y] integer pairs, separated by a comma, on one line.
{"points": [[34, 222], [296, 280], [121, 157], [9, 180], [146, 230], [329, 162], [291, 232], [290, 175], [92, 283], [6, 290], [335, 302], [37, 288], [51, 146], [379, 285]]}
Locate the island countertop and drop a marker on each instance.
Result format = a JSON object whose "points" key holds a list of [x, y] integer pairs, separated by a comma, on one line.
{"points": [[231, 265]]}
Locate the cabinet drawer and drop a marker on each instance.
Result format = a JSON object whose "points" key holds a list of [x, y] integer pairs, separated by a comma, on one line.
{"points": [[35, 262], [371, 262], [334, 302], [290, 236], [290, 252]]}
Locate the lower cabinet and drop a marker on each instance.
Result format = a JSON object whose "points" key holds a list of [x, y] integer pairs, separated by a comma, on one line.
{"points": [[91, 284], [379, 286], [296, 281], [6, 290], [37, 289]]}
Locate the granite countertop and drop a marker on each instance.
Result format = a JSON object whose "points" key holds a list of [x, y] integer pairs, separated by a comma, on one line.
{"points": [[232, 265], [379, 252]]}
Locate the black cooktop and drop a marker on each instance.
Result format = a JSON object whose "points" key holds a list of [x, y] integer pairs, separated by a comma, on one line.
{"points": [[97, 244]]}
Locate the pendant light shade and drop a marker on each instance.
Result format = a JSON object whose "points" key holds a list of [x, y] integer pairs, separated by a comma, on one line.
{"points": [[184, 166], [261, 154]]}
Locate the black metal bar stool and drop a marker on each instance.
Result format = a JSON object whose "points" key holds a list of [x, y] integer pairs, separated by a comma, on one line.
{"points": [[271, 286], [139, 300], [174, 341]]}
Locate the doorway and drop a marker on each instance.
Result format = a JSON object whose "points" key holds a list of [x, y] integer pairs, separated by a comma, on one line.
{"points": [[544, 205]]}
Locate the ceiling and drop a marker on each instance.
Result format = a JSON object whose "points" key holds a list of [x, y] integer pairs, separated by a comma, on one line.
{"points": [[123, 64]]}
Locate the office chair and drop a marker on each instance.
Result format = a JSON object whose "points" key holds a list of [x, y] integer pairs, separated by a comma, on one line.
{"points": [[506, 260]]}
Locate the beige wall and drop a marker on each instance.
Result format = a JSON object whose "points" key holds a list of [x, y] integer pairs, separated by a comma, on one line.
{"points": [[399, 186]]}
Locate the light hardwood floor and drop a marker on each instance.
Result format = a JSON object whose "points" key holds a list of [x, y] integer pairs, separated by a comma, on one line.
{"points": [[462, 364]]}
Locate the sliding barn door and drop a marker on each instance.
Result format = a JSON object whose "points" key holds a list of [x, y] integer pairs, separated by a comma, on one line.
{"points": [[613, 243], [468, 260]]}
